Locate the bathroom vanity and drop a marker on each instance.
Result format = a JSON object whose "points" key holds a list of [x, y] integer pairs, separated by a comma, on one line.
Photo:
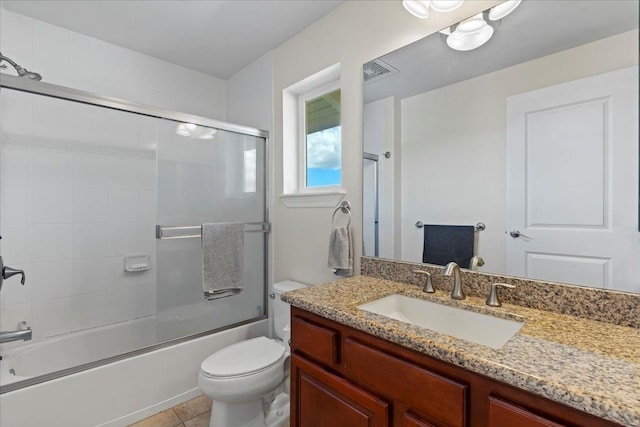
{"points": [[350, 367]]}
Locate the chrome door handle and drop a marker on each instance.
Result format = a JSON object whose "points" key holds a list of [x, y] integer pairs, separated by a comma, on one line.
{"points": [[516, 233], [6, 272]]}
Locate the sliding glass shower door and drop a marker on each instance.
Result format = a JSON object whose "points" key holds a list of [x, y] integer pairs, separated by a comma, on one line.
{"points": [[85, 182], [207, 176]]}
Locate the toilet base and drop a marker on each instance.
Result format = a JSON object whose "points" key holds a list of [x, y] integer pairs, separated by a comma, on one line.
{"points": [[242, 414]]}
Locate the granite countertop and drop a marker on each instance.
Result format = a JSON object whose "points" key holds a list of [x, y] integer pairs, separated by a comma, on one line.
{"points": [[589, 365]]}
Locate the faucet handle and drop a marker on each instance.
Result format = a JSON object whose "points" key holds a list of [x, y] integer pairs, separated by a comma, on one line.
{"points": [[428, 286], [493, 299]]}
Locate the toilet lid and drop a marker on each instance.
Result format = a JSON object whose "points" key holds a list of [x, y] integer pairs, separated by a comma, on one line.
{"points": [[243, 358]]}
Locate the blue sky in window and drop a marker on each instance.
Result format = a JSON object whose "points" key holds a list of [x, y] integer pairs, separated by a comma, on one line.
{"points": [[323, 158]]}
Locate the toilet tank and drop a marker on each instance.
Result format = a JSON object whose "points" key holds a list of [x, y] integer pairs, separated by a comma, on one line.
{"points": [[281, 310]]}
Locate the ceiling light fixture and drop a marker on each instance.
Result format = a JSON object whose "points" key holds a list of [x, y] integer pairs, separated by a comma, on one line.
{"points": [[475, 31], [418, 8], [195, 131], [445, 5], [464, 41], [498, 12]]}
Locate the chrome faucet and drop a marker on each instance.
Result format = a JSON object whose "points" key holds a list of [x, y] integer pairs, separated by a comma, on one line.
{"points": [[453, 269], [428, 286], [493, 299], [476, 262], [22, 333]]}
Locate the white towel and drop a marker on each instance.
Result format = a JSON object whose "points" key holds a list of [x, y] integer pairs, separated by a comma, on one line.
{"points": [[222, 259], [341, 251]]}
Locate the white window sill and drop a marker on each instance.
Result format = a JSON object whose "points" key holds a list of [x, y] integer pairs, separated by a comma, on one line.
{"points": [[313, 200]]}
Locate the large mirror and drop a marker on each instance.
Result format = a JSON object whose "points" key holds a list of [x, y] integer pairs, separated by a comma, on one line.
{"points": [[528, 143]]}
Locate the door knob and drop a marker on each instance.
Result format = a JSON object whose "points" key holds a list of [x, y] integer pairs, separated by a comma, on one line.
{"points": [[516, 233]]}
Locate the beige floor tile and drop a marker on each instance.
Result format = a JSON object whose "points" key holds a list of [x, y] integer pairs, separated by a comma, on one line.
{"points": [[201, 420], [166, 418], [193, 407]]}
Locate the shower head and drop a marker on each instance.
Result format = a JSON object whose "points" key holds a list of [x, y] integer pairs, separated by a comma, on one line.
{"points": [[22, 72]]}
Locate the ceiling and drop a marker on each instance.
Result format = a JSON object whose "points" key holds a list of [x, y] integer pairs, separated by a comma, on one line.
{"points": [[216, 37], [536, 28]]}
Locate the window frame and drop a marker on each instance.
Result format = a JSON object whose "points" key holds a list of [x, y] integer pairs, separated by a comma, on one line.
{"points": [[302, 138]]}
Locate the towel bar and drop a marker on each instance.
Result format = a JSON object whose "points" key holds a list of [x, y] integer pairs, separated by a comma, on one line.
{"points": [[165, 232], [479, 226]]}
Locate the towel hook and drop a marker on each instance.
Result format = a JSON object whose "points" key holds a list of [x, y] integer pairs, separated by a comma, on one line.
{"points": [[345, 208]]}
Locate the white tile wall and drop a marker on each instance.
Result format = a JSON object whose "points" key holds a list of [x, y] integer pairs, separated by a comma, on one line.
{"points": [[70, 213], [71, 59]]}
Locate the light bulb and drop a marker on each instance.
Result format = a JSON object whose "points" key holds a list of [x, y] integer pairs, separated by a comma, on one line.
{"points": [[418, 8], [469, 41], [446, 5], [473, 24], [209, 135], [503, 9]]}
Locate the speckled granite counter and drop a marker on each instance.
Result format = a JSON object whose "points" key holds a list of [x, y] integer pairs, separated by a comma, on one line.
{"points": [[592, 366]]}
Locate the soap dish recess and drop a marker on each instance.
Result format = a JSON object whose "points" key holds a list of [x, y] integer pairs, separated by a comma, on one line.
{"points": [[135, 263]]}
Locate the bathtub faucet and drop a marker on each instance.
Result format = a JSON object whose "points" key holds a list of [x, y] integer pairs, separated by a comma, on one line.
{"points": [[23, 333]]}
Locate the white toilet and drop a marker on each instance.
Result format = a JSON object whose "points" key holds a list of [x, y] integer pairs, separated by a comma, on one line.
{"points": [[239, 376]]}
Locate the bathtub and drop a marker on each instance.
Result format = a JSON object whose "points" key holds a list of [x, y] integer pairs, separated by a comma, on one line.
{"points": [[76, 349], [111, 395]]}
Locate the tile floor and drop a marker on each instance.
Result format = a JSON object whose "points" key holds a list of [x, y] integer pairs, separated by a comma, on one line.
{"points": [[193, 413]]}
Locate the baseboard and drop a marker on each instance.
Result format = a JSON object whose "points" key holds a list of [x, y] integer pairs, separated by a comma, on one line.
{"points": [[153, 409]]}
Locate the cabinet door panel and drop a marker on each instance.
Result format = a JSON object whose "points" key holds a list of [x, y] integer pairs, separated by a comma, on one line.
{"points": [[504, 414], [410, 420], [441, 399], [318, 342], [325, 400]]}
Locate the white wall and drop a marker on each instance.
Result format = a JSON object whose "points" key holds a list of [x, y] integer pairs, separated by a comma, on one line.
{"points": [[250, 94], [351, 35], [453, 153], [382, 134], [71, 59]]}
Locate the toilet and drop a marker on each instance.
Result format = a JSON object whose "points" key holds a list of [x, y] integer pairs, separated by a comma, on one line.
{"points": [[243, 379]]}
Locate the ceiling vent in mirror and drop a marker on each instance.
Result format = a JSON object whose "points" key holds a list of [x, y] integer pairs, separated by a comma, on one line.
{"points": [[376, 70]]}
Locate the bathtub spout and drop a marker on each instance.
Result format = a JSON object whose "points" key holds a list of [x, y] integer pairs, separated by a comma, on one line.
{"points": [[20, 334]]}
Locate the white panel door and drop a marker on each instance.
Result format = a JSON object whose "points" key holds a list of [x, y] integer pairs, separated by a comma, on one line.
{"points": [[572, 182]]}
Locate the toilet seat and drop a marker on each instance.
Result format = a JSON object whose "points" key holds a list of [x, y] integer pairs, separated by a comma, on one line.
{"points": [[245, 358]]}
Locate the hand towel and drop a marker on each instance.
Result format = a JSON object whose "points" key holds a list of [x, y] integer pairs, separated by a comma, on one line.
{"points": [[222, 259], [341, 251], [446, 243]]}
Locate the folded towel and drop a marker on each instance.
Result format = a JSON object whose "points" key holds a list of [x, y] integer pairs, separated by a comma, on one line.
{"points": [[222, 259], [446, 243], [341, 251]]}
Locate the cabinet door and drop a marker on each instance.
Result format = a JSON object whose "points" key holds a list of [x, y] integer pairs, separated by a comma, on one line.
{"points": [[410, 420], [321, 399], [504, 414], [441, 400]]}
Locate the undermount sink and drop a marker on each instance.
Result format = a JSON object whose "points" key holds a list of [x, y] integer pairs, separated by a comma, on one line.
{"points": [[482, 329]]}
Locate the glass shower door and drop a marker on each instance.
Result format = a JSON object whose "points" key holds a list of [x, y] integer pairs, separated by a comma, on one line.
{"points": [[207, 175]]}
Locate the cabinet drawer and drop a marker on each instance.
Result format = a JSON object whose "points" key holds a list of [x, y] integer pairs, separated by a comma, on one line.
{"points": [[441, 400], [317, 342], [503, 414]]}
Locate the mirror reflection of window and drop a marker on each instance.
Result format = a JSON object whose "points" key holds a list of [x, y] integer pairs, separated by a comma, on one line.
{"points": [[249, 176]]}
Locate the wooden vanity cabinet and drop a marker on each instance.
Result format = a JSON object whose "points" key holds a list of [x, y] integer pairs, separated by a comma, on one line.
{"points": [[344, 377]]}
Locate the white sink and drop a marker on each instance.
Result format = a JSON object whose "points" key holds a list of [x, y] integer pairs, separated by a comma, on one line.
{"points": [[479, 328]]}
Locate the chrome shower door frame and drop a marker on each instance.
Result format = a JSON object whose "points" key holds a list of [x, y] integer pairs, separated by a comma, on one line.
{"points": [[69, 94]]}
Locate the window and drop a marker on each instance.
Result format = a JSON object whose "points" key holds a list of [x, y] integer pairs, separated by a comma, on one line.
{"points": [[320, 140], [311, 141]]}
